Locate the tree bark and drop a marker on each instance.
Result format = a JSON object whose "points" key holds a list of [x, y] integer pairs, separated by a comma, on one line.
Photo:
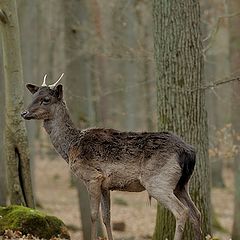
{"points": [[17, 152], [178, 53]]}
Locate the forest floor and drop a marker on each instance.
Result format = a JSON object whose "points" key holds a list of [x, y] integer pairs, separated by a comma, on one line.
{"points": [[56, 196]]}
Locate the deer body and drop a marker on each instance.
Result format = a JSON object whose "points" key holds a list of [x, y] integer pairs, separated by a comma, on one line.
{"points": [[106, 159]]}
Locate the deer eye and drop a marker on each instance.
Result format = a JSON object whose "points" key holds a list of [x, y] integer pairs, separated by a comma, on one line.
{"points": [[46, 100]]}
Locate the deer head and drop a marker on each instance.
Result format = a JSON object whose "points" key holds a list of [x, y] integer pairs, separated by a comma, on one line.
{"points": [[45, 100]]}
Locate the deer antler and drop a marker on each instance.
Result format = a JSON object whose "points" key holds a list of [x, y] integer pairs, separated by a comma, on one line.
{"points": [[52, 86], [44, 81]]}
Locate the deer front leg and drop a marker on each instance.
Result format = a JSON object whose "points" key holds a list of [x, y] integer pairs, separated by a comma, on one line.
{"points": [[106, 212], [94, 189]]}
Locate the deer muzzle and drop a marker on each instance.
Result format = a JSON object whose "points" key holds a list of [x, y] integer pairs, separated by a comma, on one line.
{"points": [[26, 115]]}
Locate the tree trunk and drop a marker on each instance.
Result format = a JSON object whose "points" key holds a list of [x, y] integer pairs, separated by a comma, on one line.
{"points": [[18, 168], [129, 66], [181, 108], [79, 85], [3, 189], [146, 65], [234, 6], [99, 65]]}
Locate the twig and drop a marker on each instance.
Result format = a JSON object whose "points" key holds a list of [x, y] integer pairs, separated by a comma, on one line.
{"points": [[215, 84]]}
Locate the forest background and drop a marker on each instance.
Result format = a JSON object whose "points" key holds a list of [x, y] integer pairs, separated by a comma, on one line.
{"points": [[106, 49]]}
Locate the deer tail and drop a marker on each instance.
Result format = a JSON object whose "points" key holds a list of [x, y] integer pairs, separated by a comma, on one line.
{"points": [[187, 160]]}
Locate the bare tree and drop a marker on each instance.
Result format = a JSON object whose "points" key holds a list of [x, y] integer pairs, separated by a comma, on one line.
{"points": [[17, 153], [178, 53]]}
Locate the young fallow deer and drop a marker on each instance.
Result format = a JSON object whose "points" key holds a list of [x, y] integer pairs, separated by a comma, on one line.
{"points": [[107, 159]]}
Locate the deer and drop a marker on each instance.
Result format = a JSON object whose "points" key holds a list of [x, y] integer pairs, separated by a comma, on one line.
{"points": [[106, 159]]}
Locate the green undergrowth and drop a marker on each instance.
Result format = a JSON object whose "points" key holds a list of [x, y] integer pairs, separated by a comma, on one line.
{"points": [[31, 221]]}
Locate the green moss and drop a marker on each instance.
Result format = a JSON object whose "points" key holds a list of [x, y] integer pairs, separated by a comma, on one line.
{"points": [[31, 221]]}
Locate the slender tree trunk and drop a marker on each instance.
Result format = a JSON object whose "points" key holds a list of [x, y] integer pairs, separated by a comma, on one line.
{"points": [[18, 168], [146, 65], [234, 6], [3, 189], [129, 66], [99, 65], [178, 52], [116, 76], [126, 38]]}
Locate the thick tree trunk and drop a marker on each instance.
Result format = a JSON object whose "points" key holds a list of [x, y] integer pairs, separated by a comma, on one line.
{"points": [[181, 108], [18, 168]]}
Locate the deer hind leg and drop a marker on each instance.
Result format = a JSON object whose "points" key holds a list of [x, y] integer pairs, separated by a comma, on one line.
{"points": [[163, 193], [106, 214], [161, 186], [194, 214]]}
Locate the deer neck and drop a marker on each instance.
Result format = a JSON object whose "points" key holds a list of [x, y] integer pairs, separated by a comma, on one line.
{"points": [[61, 131]]}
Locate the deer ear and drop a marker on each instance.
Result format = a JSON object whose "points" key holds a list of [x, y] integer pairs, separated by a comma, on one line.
{"points": [[32, 88], [59, 91]]}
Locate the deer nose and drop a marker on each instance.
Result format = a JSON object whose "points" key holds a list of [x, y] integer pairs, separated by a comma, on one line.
{"points": [[24, 113]]}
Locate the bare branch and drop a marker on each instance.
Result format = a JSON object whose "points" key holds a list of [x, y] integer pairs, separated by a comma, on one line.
{"points": [[216, 84]]}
